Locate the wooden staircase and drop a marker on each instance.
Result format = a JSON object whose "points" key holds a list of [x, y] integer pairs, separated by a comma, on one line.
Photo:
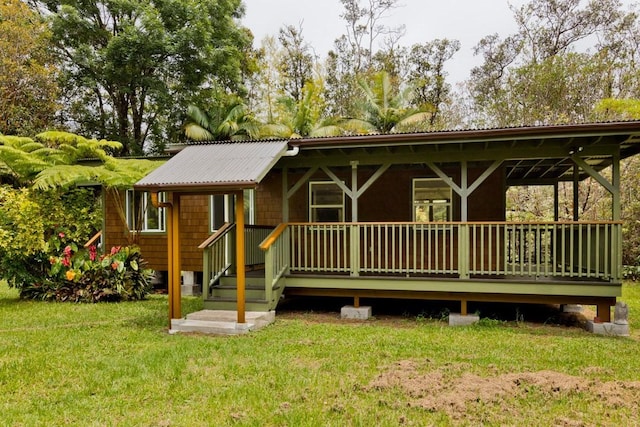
{"points": [[222, 295]]}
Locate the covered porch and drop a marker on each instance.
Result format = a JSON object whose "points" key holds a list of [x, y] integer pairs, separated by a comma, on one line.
{"points": [[377, 242]]}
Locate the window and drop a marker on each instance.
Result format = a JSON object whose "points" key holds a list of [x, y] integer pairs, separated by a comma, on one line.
{"points": [[326, 202], [141, 214], [431, 200], [221, 209]]}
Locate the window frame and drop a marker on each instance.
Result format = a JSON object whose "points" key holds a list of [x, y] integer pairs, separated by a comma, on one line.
{"points": [[314, 207], [131, 212], [447, 203]]}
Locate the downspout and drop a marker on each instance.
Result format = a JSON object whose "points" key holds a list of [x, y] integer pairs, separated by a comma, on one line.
{"points": [[292, 152], [173, 253]]}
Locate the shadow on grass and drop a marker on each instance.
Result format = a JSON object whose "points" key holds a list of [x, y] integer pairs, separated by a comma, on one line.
{"points": [[403, 309]]}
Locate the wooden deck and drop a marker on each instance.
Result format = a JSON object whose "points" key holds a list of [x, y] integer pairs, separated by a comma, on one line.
{"points": [[561, 263]]}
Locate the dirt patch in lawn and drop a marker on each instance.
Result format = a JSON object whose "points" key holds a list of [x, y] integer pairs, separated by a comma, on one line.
{"points": [[452, 388]]}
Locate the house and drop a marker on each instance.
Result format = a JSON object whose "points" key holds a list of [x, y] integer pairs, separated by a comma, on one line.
{"points": [[415, 215]]}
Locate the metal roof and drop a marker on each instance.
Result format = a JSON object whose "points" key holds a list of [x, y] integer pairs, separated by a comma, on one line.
{"points": [[215, 166]]}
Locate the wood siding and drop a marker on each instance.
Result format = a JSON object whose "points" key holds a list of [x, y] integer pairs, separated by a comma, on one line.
{"points": [[194, 224]]}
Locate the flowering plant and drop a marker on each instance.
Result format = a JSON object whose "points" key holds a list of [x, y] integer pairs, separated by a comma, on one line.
{"points": [[82, 275]]}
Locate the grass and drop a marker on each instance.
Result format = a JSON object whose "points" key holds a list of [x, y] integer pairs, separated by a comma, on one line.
{"points": [[114, 364]]}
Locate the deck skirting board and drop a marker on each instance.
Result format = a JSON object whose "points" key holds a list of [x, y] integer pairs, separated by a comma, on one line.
{"points": [[506, 288]]}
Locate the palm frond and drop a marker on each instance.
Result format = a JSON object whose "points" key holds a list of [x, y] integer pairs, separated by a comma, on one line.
{"points": [[196, 132]]}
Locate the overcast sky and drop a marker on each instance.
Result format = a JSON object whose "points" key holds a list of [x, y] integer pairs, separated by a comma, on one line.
{"points": [[465, 20]]}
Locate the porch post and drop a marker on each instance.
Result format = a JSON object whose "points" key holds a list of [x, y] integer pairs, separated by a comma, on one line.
{"points": [[556, 205], [240, 262], [285, 195], [615, 181], [576, 178], [173, 252], [464, 196], [355, 230], [354, 191]]}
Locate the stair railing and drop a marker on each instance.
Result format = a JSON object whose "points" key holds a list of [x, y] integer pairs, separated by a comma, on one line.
{"points": [[217, 256], [277, 258]]}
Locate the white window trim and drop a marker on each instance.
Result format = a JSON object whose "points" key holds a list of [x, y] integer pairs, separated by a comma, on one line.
{"points": [[414, 203], [132, 217]]}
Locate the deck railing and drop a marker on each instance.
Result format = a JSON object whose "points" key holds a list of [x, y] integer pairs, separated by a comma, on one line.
{"points": [[528, 250]]}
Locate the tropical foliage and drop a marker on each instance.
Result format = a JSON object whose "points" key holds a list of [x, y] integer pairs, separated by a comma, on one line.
{"points": [[28, 88], [84, 276]]}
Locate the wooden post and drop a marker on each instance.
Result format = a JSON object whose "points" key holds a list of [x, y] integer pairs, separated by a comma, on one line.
{"points": [[356, 301], [173, 252], [240, 262], [463, 307], [174, 262]]}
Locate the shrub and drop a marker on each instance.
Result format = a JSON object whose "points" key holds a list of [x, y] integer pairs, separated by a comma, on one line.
{"points": [[83, 276]]}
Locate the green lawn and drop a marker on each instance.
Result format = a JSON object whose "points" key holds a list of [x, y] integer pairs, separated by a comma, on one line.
{"points": [[114, 364]]}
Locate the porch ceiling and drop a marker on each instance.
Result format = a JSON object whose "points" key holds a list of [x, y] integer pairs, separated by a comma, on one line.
{"points": [[530, 155]]}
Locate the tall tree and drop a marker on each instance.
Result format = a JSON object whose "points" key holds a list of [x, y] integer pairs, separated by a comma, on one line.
{"points": [[354, 52], [131, 68], [538, 75], [228, 120], [296, 62], [427, 74], [385, 110], [28, 89]]}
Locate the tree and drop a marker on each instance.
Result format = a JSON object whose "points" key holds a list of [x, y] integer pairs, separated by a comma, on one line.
{"points": [[384, 110], [306, 117], [231, 120], [296, 63], [538, 76], [353, 54], [427, 74], [131, 68], [28, 89]]}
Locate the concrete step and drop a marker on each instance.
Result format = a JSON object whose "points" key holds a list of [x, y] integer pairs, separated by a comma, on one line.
{"points": [[222, 322]]}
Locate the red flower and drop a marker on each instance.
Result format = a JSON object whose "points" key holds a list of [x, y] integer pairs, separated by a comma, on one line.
{"points": [[67, 251], [114, 265], [61, 235], [66, 262], [92, 252], [115, 250]]}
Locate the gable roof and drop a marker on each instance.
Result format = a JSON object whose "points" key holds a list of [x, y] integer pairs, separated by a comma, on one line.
{"points": [[215, 167]]}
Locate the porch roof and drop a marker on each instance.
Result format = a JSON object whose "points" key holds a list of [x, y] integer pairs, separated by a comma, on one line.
{"points": [[532, 154], [215, 167]]}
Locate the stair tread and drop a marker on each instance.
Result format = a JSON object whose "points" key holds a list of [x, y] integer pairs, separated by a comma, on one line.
{"points": [[229, 299], [247, 286]]}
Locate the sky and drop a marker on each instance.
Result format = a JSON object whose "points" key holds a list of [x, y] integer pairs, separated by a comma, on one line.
{"points": [[465, 20]]}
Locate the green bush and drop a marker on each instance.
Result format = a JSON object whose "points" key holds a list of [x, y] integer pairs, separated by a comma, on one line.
{"points": [[40, 233], [83, 276]]}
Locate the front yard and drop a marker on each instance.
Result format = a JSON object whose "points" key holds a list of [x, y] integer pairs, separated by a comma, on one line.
{"points": [[114, 364]]}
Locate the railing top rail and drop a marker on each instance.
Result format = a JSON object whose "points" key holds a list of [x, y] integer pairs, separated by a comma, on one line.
{"points": [[217, 235], [315, 224], [94, 239], [271, 238]]}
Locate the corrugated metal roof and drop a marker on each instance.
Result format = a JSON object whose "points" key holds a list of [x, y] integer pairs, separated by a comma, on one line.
{"points": [[240, 164]]}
